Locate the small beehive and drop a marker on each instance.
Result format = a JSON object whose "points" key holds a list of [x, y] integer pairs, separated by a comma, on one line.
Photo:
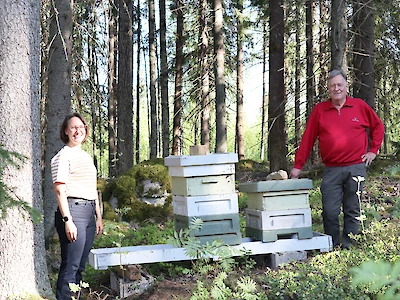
{"points": [[278, 208], [203, 186]]}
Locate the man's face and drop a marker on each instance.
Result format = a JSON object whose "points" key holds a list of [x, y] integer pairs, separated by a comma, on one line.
{"points": [[337, 88]]}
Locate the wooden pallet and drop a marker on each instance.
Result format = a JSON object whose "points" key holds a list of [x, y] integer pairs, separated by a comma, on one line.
{"points": [[103, 258]]}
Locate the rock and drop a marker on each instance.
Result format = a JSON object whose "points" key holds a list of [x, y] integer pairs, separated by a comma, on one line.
{"points": [[280, 175], [153, 193]]}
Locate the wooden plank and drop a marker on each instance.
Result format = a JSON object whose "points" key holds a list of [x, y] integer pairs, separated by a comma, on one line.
{"points": [[103, 258]]}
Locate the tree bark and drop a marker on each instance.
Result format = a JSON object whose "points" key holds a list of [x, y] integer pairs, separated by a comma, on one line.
{"points": [[204, 76], [276, 109], [264, 89], [322, 51], [139, 45], [177, 130], [23, 268], [297, 124], [58, 99], [364, 75], [219, 67], [310, 56], [112, 101], [239, 82], [310, 82], [338, 35], [124, 89], [153, 76], [164, 80]]}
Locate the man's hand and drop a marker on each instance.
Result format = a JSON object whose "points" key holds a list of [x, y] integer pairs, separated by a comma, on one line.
{"points": [[295, 173], [368, 158]]}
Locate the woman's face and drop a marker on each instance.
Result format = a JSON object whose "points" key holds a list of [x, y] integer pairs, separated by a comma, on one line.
{"points": [[76, 132]]}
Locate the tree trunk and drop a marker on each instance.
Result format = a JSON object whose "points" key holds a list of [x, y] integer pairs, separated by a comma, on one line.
{"points": [[323, 60], [264, 89], [219, 67], [310, 56], [239, 82], [204, 76], [364, 78], [177, 131], [93, 88], [153, 77], [297, 124], [310, 82], [276, 109], [139, 45], [58, 99], [23, 268], [124, 89], [338, 35], [77, 56], [164, 80], [112, 101]]}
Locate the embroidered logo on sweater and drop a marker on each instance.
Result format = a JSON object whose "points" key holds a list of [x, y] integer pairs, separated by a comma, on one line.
{"points": [[355, 119]]}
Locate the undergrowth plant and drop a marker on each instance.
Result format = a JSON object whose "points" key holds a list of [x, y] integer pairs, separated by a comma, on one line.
{"points": [[8, 199], [381, 276], [221, 286]]}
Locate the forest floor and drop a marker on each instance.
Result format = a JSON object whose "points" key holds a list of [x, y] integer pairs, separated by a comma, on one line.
{"points": [[181, 288]]}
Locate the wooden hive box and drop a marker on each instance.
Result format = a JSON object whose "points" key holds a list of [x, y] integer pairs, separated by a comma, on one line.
{"points": [[277, 194], [205, 205]]}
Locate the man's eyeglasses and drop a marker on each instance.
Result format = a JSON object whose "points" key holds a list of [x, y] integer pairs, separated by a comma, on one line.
{"points": [[75, 128]]}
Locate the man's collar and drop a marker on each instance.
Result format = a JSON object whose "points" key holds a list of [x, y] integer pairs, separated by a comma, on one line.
{"points": [[348, 103]]}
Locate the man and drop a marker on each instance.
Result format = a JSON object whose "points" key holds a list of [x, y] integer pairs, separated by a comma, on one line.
{"points": [[341, 124]]}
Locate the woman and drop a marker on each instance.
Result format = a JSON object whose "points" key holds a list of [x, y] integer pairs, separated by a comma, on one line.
{"points": [[78, 216]]}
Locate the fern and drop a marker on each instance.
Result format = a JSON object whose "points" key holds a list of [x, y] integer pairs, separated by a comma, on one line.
{"points": [[381, 276]]}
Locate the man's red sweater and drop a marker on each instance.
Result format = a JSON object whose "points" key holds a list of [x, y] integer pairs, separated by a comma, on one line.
{"points": [[342, 135]]}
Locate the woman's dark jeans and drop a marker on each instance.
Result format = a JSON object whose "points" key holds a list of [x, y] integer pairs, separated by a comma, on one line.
{"points": [[74, 255]]}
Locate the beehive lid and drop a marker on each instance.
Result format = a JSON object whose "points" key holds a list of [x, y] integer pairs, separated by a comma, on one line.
{"points": [[197, 160], [276, 185]]}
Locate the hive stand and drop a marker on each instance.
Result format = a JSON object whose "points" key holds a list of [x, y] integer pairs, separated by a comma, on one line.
{"points": [[101, 259]]}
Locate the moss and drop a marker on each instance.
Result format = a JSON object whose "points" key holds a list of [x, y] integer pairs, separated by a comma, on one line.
{"points": [[129, 187], [101, 185], [109, 213], [251, 165], [141, 211]]}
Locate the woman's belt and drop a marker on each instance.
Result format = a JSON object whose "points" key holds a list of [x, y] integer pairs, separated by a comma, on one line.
{"points": [[78, 200]]}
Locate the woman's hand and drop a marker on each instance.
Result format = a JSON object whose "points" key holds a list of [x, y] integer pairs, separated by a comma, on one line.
{"points": [[99, 226], [71, 231]]}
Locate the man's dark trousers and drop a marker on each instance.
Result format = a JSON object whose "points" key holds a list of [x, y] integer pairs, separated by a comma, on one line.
{"points": [[339, 190]]}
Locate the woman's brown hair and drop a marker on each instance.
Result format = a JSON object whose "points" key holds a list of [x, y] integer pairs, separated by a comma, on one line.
{"points": [[64, 127]]}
